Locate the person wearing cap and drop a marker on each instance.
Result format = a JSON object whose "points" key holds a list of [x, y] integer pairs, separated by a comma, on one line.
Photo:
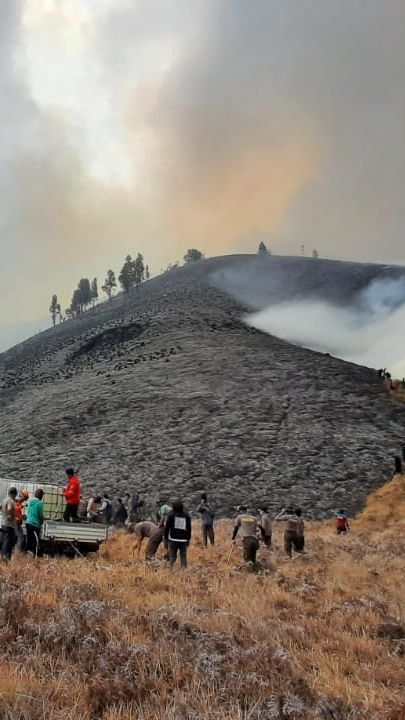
{"points": [[265, 526], [72, 497], [9, 524], [247, 524]]}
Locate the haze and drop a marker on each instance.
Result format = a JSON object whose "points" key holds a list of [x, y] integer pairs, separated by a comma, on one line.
{"points": [[158, 125]]}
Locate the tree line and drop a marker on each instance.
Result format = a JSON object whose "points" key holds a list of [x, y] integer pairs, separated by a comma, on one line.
{"points": [[132, 274]]}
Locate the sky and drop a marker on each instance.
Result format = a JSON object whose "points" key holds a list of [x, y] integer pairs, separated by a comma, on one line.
{"points": [[158, 125]]}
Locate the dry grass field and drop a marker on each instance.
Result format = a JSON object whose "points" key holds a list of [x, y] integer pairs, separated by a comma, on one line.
{"points": [[319, 637]]}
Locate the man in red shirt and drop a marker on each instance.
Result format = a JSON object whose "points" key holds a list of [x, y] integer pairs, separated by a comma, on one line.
{"points": [[72, 497]]}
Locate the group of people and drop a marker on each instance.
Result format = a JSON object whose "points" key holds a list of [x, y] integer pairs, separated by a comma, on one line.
{"points": [[173, 527], [172, 524], [19, 510], [121, 512]]}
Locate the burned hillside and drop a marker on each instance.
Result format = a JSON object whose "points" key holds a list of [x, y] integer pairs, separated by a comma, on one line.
{"points": [[169, 392]]}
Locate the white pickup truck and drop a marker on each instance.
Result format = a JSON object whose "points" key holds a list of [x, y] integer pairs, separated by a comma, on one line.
{"points": [[58, 537]]}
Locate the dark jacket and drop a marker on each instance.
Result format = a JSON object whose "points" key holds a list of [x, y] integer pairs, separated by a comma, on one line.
{"points": [[178, 527], [207, 515]]}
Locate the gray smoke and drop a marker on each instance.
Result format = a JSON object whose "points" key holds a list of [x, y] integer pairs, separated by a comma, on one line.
{"points": [[238, 120], [369, 332]]}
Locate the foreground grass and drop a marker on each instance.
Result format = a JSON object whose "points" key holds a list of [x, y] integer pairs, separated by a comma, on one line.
{"points": [[321, 636]]}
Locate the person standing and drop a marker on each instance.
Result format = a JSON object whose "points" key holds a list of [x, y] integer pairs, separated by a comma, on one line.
{"points": [[20, 515], [94, 509], [247, 524], [72, 497], [207, 521], [342, 523], [177, 532], [265, 526], [294, 532], [35, 519], [106, 510], [9, 524], [120, 514], [163, 511]]}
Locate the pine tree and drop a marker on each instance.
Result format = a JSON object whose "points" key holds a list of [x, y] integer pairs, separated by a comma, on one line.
{"points": [[147, 273], [315, 254], [59, 312], [76, 306], [127, 275], [84, 295], [193, 255], [139, 270], [109, 284], [94, 291], [53, 308]]}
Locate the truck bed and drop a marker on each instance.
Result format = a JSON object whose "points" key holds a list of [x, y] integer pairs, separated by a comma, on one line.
{"points": [[92, 533]]}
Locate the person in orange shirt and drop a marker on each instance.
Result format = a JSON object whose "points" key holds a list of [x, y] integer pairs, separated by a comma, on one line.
{"points": [[20, 510], [72, 497]]}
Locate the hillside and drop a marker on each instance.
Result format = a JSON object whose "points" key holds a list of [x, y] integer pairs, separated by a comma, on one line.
{"points": [[170, 393], [320, 637]]}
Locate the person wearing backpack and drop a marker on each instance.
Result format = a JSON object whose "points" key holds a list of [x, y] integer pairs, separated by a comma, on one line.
{"points": [[177, 532]]}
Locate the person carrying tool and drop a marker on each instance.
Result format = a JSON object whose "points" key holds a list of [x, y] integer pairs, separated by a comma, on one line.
{"points": [[207, 521], [265, 526], [294, 531], [247, 524], [177, 532], [35, 519], [72, 497], [9, 524], [342, 524]]}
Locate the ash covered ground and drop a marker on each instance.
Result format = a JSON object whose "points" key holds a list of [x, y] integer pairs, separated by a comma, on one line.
{"points": [[169, 392]]}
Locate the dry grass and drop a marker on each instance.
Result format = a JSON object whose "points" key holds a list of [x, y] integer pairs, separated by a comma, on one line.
{"points": [[321, 636]]}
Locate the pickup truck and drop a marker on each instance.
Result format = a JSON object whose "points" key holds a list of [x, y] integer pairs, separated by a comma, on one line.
{"points": [[58, 537]]}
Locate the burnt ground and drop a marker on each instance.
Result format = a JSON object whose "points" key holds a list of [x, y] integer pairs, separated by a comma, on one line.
{"points": [[170, 393]]}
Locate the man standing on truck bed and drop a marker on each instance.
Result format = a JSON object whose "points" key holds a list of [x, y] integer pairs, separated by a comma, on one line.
{"points": [[9, 524], [72, 497]]}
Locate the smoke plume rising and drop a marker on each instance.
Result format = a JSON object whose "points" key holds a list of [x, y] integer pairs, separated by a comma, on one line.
{"points": [[368, 332], [156, 125]]}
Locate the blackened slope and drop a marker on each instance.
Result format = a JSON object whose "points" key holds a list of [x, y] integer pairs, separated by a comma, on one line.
{"points": [[172, 393]]}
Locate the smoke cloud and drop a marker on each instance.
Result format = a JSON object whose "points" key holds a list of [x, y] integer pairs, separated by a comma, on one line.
{"points": [[367, 333], [158, 125]]}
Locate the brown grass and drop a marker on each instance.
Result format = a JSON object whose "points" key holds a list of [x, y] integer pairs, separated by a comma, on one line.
{"points": [[321, 636]]}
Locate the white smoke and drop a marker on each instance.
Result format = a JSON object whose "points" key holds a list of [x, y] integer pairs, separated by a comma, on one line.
{"points": [[369, 332]]}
